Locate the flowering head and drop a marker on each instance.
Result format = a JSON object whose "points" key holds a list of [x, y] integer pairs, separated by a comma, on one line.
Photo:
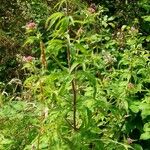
{"points": [[28, 58], [130, 141], [31, 26], [130, 85], [92, 8]]}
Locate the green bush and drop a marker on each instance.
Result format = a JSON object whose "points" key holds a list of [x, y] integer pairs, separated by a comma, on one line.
{"points": [[87, 86]]}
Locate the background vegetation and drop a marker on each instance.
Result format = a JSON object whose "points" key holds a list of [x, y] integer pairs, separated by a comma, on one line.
{"points": [[75, 75]]}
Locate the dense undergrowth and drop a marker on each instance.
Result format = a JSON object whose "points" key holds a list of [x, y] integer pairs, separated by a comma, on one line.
{"points": [[82, 77]]}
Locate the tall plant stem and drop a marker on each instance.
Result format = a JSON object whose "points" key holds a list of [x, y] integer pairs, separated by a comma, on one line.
{"points": [[74, 91], [43, 54], [73, 82], [74, 102]]}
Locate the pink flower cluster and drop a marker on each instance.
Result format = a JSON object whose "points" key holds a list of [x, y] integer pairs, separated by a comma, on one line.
{"points": [[130, 85], [28, 58], [130, 141], [91, 10], [31, 26]]}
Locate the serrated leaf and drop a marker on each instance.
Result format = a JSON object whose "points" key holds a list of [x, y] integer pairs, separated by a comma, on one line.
{"points": [[30, 40], [52, 19], [145, 136], [62, 24]]}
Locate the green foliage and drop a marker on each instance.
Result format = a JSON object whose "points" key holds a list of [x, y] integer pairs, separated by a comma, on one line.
{"points": [[86, 88]]}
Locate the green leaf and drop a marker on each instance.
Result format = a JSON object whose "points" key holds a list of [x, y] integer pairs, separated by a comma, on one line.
{"points": [[81, 48], [148, 38], [123, 27], [92, 80], [54, 46], [52, 19], [147, 127], [145, 108], [137, 147], [135, 107], [74, 65], [104, 23], [145, 136], [71, 20], [112, 24], [111, 18], [146, 18], [62, 24], [30, 40]]}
